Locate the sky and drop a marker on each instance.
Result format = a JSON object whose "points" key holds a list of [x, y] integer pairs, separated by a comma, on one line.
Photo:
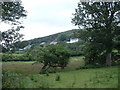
{"points": [[46, 17]]}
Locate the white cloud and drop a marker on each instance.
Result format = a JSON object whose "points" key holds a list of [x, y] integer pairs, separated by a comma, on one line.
{"points": [[39, 30], [47, 17]]}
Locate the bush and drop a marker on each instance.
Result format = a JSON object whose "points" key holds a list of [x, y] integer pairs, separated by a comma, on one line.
{"points": [[88, 66], [51, 56], [57, 77], [47, 73], [14, 57]]}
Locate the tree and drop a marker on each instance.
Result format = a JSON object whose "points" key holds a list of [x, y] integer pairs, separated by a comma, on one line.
{"points": [[100, 22], [11, 14], [11, 36], [51, 56], [63, 37], [21, 44]]}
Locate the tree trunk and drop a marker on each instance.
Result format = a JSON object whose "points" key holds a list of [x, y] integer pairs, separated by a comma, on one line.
{"points": [[108, 60], [43, 69]]}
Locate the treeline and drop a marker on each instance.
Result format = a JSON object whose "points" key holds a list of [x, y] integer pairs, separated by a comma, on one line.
{"points": [[15, 57], [75, 49]]}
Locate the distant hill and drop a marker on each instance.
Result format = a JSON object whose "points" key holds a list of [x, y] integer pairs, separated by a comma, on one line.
{"points": [[63, 36], [66, 39]]}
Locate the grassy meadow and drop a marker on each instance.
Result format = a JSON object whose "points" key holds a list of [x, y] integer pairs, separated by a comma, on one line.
{"points": [[29, 67], [26, 75]]}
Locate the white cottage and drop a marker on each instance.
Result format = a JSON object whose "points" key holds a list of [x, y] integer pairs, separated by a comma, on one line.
{"points": [[54, 43], [73, 40]]}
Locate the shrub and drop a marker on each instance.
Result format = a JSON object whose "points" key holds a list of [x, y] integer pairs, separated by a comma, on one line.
{"points": [[47, 73], [57, 77], [14, 57], [51, 56]]}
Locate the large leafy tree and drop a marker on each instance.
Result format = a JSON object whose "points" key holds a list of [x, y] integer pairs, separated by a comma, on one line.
{"points": [[11, 13], [100, 22]]}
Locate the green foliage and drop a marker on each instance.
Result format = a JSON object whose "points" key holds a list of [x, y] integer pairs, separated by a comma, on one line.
{"points": [[94, 54], [11, 13], [21, 44], [57, 77], [47, 73], [14, 57], [75, 49], [11, 36], [100, 21], [63, 36], [116, 58], [51, 56]]}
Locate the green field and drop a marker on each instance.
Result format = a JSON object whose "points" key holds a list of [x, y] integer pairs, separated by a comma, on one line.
{"points": [[26, 75], [27, 67]]}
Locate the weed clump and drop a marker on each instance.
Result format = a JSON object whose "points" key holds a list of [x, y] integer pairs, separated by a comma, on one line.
{"points": [[57, 77], [47, 73]]}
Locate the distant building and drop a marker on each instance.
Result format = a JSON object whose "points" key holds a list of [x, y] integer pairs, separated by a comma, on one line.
{"points": [[42, 43], [53, 43], [73, 40], [27, 47], [21, 49]]}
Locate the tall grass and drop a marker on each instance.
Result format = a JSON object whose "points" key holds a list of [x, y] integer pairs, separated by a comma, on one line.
{"points": [[29, 67]]}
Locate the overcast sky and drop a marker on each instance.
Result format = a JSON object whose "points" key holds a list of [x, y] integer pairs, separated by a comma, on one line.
{"points": [[46, 17]]}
